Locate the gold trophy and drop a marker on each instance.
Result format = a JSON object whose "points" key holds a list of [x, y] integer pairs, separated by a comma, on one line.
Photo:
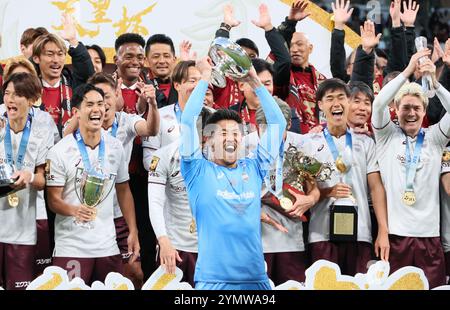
{"points": [[298, 168], [92, 188], [344, 211]]}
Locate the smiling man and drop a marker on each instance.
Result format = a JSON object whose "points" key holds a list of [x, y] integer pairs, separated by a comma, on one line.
{"points": [[49, 53], [410, 165], [224, 191], [25, 145], [89, 253], [362, 175]]}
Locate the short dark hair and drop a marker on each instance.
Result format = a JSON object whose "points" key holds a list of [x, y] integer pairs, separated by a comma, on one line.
{"points": [[159, 38], [181, 70], [25, 85], [245, 42], [261, 65], [81, 91], [223, 114], [330, 85], [129, 38], [360, 87], [102, 78], [99, 51]]}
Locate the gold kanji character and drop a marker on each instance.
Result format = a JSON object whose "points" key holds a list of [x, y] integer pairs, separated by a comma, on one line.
{"points": [[100, 7], [133, 23]]}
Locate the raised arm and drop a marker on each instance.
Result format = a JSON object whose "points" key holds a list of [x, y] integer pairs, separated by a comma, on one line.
{"points": [[270, 142], [380, 113], [397, 57], [408, 18], [189, 137], [342, 14], [278, 47], [81, 61], [363, 68], [229, 21], [296, 14]]}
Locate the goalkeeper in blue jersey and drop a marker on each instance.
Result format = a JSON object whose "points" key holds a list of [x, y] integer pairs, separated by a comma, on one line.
{"points": [[224, 191]]}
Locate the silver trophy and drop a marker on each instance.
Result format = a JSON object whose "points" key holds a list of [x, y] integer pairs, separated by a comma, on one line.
{"points": [[230, 60], [6, 170], [92, 188], [427, 82]]}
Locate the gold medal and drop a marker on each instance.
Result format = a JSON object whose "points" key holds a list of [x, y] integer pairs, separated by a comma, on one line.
{"points": [[13, 200], [192, 227], [340, 165], [286, 203], [409, 198]]}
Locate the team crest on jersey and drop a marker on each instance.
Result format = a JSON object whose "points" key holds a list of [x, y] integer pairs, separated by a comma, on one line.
{"points": [[154, 163]]}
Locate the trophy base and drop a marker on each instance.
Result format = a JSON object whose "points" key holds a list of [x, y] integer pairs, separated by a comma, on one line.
{"points": [[343, 221], [85, 225], [273, 202]]}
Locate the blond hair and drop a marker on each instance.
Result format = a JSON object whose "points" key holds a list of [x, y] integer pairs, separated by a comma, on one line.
{"points": [[15, 62], [411, 89]]}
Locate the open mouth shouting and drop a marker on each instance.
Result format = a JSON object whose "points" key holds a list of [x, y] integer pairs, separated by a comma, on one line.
{"points": [[230, 147], [96, 120]]}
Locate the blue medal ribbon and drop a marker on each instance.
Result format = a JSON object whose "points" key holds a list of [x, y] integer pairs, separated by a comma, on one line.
{"points": [[85, 156], [115, 127], [178, 112], [278, 192], [23, 144], [333, 148], [412, 163]]}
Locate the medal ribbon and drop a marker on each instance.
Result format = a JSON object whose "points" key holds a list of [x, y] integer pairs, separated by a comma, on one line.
{"points": [[178, 112], [23, 144], [278, 192], [84, 154], [115, 127], [412, 163], [333, 148]]}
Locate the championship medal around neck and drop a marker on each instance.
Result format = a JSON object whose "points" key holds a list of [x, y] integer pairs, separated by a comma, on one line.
{"points": [[409, 198], [13, 200], [340, 165]]}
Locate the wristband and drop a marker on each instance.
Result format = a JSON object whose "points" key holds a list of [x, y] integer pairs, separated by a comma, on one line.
{"points": [[225, 26]]}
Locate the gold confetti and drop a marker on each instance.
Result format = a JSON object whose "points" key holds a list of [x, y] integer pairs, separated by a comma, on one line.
{"points": [[325, 279]]}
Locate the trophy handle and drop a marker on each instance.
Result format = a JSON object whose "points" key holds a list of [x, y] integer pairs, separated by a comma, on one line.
{"points": [[110, 182], [78, 176]]}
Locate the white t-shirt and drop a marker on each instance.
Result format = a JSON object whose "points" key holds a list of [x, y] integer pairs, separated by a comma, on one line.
{"points": [[169, 131], [170, 212], [18, 225], [445, 205], [421, 219], [364, 163], [275, 241], [66, 165], [126, 133]]}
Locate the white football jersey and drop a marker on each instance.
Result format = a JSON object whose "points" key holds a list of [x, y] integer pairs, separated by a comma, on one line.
{"points": [[364, 162], [422, 218], [169, 131], [170, 214], [18, 225], [66, 167]]}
